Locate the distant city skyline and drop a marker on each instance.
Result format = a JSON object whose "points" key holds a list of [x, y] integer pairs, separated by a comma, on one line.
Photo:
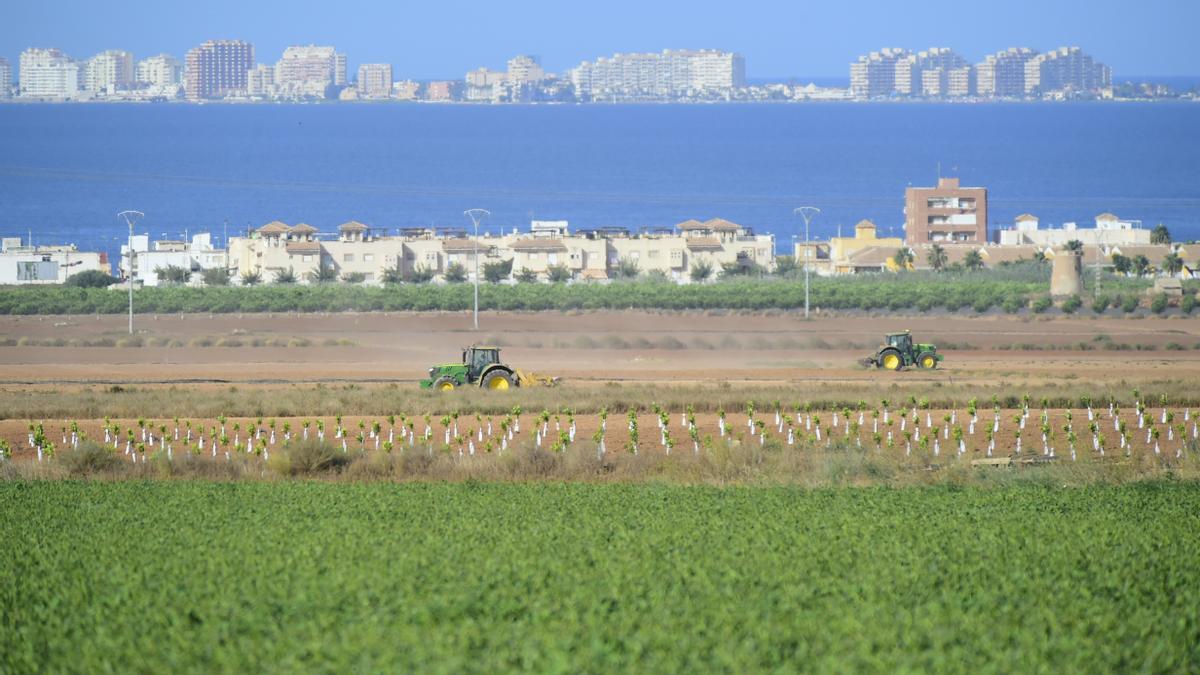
{"points": [[778, 41]]}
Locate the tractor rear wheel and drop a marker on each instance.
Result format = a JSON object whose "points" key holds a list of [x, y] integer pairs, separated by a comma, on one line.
{"points": [[497, 380], [444, 383], [927, 361], [890, 360]]}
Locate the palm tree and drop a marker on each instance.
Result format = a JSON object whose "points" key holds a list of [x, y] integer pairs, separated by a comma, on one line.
{"points": [[455, 273], [1073, 246], [1172, 264], [1141, 265], [973, 260], [937, 257], [395, 273], [903, 258], [701, 271], [287, 276], [1160, 235], [323, 274], [252, 278]]}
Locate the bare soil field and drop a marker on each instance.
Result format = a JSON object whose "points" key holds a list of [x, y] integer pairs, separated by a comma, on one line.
{"points": [[668, 347], [293, 368]]}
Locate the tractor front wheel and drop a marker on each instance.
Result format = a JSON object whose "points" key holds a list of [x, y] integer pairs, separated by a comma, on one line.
{"points": [[497, 380], [444, 383], [890, 360], [927, 361]]}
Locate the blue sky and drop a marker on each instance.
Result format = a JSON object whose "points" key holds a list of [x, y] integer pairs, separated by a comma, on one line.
{"points": [[779, 39]]}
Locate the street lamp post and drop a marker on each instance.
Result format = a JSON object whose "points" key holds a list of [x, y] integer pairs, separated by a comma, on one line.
{"points": [[477, 215], [807, 213], [130, 217]]}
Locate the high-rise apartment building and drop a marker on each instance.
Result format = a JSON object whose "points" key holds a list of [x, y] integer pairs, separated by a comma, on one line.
{"points": [[440, 90], [874, 74], [308, 71], [960, 81], [910, 70], [107, 72], [1065, 69], [218, 68], [524, 69], [375, 80], [1002, 75], [946, 213], [671, 73], [5, 78], [162, 70], [260, 81], [48, 73]]}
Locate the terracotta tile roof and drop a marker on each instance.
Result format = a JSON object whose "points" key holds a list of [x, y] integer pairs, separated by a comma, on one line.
{"points": [[538, 244], [691, 224], [303, 247], [353, 226], [1107, 216], [871, 256], [994, 255], [721, 225], [704, 244], [304, 228], [1025, 217], [464, 245], [274, 227]]}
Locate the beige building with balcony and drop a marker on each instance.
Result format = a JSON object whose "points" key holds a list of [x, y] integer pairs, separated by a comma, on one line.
{"points": [[596, 255]]}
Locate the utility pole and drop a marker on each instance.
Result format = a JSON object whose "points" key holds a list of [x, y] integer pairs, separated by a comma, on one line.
{"points": [[807, 213], [476, 215], [130, 217]]}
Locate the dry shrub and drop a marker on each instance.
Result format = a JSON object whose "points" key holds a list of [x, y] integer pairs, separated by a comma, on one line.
{"points": [[309, 458], [89, 459]]}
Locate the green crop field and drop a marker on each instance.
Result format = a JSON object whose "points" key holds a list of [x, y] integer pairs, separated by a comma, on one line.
{"points": [[177, 576]]}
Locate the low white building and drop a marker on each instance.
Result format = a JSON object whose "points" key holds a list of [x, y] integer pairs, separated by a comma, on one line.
{"points": [[20, 264], [1108, 231], [149, 262]]}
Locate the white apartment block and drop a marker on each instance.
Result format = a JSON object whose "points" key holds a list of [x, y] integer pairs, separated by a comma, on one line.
{"points": [[307, 71], [1002, 75], [162, 70], [5, 78], [663, 75], [1065, 69], [524, 69], [48, 73], [484, 84], [874, 74], [260, 81], [20, 264], [375, 80], [107, 72], [1109, 230], [587, 256], [911, 69], [149, 261]]}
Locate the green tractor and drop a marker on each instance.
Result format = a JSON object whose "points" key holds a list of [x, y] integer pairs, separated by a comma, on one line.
{"points": [[481, 367], [899, 351]]}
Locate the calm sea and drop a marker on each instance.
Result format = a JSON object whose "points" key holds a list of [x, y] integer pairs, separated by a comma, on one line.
{"points": [[66, 170]]}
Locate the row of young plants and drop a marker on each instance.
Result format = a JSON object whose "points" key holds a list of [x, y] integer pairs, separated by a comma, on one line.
{"points": [[799, 425], [921, 292]]}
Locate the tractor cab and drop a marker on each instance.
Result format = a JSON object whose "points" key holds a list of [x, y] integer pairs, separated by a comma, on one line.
{"points": [[477, 359], [901, 341]]}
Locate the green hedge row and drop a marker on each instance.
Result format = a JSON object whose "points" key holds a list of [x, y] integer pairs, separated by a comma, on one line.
{"points": [[921, 292]]}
